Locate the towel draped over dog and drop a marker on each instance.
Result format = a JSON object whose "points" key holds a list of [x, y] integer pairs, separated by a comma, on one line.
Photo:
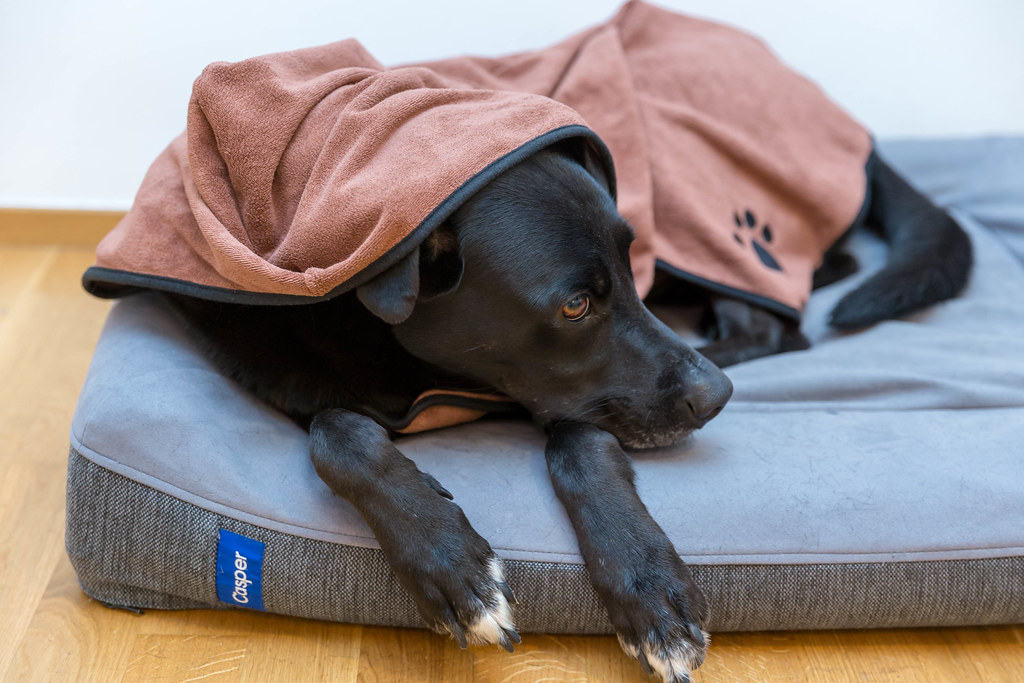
{"points": [[304, 174]]}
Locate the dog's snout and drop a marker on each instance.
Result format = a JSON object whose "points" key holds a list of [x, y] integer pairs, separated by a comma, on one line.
{"points": [[705, 397]]}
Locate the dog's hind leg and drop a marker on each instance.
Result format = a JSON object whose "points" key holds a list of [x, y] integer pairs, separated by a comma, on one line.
{"points": [[450, 571], [656, 608]]}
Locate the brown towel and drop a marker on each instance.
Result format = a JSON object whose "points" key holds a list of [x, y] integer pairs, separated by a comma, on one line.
{"points": [[302, 174]]}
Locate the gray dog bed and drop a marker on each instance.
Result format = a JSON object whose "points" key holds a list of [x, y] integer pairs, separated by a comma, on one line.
{"points": [[875, 480]]}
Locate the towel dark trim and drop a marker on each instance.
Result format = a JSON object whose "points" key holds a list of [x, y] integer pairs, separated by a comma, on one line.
{"points": [[110, 283], [756, 299]]}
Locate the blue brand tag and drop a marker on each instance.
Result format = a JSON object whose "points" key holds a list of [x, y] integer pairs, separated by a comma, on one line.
{"points": [[239, 570]]}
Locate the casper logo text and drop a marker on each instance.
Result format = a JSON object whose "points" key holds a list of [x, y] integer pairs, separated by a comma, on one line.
{"points": [[239, 570], [242, 582]]}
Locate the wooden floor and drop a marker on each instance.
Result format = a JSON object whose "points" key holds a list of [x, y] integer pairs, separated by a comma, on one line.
{"points": [[49, 630]]}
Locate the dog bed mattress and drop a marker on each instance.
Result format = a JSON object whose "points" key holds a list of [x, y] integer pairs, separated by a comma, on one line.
{"points": [[874, 480]]}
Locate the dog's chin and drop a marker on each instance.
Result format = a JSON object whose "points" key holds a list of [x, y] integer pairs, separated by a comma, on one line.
{"points": [[639, 435], [637, 430], [651, 438]]}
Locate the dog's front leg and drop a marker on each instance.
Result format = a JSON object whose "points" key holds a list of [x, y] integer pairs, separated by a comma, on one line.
{"points": [[449, 570], [652, 601]]}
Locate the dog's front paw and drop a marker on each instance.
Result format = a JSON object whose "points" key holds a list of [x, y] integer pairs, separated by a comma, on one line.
{"points": [[456, 580], [672, 657], [658, 613], [478, 613]]}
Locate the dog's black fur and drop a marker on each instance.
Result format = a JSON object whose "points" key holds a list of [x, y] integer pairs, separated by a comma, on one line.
{"points": [[487, 302]]}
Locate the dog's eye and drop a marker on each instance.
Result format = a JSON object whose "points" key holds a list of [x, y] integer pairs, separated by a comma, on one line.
{"points": [[576, 308]]}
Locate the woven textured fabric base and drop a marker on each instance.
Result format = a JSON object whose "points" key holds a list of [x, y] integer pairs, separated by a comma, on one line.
{"points": [[133, 546]]}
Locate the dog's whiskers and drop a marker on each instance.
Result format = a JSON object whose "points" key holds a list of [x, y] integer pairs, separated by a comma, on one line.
{"points": [[587, 408]]}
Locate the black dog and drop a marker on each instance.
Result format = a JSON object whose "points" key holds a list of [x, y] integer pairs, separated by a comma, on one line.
{"points": [[527, 290]]}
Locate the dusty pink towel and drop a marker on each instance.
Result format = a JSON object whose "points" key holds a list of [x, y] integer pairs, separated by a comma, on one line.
{"points": [[302, 174]]}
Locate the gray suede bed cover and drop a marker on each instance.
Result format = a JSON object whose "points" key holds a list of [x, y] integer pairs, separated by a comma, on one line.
{"points": [[876, 479]]}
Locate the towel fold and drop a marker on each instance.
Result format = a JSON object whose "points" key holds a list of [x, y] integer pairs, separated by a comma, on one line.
{"points": [[303, 174]]}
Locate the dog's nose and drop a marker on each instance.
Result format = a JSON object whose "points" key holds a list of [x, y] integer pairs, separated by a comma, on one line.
{"points": [[706, 397]]}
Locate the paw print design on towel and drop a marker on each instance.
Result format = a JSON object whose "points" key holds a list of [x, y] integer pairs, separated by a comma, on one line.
{"points": [[760, 239]]}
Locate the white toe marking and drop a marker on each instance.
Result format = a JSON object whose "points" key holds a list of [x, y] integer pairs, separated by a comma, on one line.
{"points": [[496, 569], [488, 626], [670, 662], [495, 615]]}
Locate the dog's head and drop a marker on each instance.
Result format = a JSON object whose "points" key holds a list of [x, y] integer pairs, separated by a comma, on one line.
{"points": [[528, 288]]}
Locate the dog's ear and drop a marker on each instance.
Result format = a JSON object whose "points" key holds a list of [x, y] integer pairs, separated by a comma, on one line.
{"points": [[433, 268], [595, 166], [440, 262], [391, 296], [584, 153]]}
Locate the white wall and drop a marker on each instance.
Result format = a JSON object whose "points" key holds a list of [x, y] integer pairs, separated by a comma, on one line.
{"points": [[92, 90]]}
